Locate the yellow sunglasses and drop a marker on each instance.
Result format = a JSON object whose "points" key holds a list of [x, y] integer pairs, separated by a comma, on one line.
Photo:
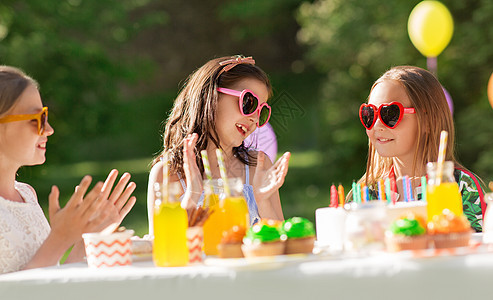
{"points": [[41, 117]]}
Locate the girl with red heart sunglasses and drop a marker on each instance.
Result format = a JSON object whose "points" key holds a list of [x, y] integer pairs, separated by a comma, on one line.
{"points": [[27, 240], [220, 105], [405, 113]]}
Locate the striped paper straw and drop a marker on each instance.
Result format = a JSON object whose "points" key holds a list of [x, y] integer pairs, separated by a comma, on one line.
{"points": [[222, 170], [207, 169], [164, 187], [441, 155]]}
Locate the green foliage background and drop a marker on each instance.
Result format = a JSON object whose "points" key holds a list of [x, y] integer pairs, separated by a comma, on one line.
{"points": [[109, 71]]}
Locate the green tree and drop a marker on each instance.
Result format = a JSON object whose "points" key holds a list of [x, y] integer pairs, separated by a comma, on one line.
{"points": [[77, 51]]}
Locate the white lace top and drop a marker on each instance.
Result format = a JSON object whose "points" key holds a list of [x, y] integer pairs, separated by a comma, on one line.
{"points": [[23, 228]]}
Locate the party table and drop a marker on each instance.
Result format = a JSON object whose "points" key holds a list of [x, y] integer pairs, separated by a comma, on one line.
{"points": [[377, 276]]}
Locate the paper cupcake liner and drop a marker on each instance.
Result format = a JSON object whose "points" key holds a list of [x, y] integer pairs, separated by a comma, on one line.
{"points": [[230, 250], [263, 249], [451, 240], [300, 245], [397, 242]]}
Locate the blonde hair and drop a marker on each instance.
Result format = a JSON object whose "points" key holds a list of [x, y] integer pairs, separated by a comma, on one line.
{"points": [[428, 99]]}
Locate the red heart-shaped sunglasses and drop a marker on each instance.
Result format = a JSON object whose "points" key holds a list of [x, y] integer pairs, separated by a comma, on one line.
{"points": [[390, 113]]}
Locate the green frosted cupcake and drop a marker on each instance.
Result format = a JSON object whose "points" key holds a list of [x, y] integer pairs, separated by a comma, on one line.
{"points": [[300, 235], [262, 240], [406, 234]]}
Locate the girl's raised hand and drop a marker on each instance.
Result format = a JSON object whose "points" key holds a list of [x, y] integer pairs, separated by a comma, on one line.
{"points": [[192, 173], [118, 202], [69, 223], [267, 181]]}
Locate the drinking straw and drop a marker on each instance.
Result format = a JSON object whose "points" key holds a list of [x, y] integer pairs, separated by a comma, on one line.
{"points": [[387, 190], [441, 155], [381, 195], [354, 192], [333, 196], [207, 168], [340, 190], [222, 170], [404, 188], [164, 187], [423, 188]]}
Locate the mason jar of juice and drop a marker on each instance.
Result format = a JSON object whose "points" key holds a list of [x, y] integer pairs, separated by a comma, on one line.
{"points": [[170, 228], [444, 195], [234, 207], [227, 212], [213, 189]]}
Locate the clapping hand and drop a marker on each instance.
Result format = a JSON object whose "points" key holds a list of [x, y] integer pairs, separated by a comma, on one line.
{"points": [[267, 181], [192, 173], [118, 203], [93, 211]]}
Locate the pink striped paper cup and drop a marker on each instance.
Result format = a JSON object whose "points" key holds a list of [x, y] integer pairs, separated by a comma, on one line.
{"points": [[195, 242], [108, 250]]}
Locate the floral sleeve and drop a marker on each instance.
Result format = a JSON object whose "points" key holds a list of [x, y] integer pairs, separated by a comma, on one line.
{"points": [[471, 201]]}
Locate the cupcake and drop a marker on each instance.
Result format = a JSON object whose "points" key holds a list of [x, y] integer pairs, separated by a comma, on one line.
{"points": [[448, 230], [263, 240], [300, 235], [406, 233], [230, 245]]}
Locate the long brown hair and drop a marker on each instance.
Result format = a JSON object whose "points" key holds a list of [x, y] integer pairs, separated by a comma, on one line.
{"points": [[13, 82], [428, 99], [194, 111]]}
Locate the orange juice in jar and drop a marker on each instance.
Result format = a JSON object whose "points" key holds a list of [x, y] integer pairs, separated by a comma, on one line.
{"points": [[230, 211], [446, 195], [170, 227], [212, 236]]}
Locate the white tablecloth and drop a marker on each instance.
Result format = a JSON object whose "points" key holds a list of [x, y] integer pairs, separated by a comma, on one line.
{"points": [[382, 276]]}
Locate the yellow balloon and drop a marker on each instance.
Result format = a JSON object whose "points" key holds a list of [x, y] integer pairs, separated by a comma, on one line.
{"points": [[490, 90], [430, 27]]}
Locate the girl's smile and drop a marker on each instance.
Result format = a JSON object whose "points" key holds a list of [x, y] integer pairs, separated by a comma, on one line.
{"points": [[242, 129]]}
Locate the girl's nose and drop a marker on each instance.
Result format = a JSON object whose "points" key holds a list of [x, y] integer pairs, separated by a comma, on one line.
{"points": [[378, 125], [48, 129], [253, 118]]}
